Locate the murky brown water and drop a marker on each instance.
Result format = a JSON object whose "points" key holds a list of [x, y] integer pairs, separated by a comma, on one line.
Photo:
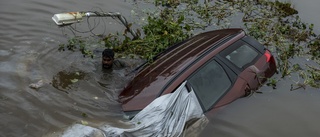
{"points": [[28, 53]]}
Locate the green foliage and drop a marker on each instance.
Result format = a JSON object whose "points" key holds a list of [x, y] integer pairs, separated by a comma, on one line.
{"points": [[312, 76], [84, 115], [168, 25], [272, 82], [76, 43], [276, 24], [314, 47], [160, 32]]}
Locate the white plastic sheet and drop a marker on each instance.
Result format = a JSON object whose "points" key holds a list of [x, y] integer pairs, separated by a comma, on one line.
{"points": [[164, 117]]}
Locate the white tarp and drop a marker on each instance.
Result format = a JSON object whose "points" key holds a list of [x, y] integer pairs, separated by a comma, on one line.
{"points": [[166, 116]]}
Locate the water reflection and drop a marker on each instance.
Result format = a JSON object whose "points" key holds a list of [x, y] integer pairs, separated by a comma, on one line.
{"points": [[65, 80]]}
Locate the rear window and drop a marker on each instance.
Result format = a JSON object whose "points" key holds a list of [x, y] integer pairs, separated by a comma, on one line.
{"points": [[240, 54]]}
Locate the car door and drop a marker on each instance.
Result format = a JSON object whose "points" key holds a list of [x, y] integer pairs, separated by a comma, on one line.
{"points": [[211, 82]]}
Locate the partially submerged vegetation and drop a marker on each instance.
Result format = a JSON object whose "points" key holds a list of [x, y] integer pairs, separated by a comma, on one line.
{"points": [[275, 24]]}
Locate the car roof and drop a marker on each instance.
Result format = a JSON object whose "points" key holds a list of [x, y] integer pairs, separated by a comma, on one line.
{"points": [[152, 79]]}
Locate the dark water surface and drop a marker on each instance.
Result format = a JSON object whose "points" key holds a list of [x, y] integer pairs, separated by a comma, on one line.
{"points": [[29, 41]]}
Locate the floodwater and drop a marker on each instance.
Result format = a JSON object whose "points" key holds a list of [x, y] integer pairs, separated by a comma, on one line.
{"points": [[76, 90]]}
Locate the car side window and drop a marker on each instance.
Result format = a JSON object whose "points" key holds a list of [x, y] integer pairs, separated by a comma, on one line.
{"points": [[209, 83], [240, 54]]}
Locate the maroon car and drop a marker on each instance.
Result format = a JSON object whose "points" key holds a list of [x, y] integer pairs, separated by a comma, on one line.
{"points": [[220, 66]]}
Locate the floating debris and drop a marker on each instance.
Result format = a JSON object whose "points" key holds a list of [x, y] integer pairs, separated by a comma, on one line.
{"points": [[74, 80], [37, 85]]}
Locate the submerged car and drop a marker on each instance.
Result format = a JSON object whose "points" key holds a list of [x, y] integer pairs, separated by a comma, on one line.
{"points": [[220, 66]]}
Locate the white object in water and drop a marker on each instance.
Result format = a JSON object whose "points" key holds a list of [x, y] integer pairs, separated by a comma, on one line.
{"points": [[37, 85], [166, 116], [67, 18]]}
